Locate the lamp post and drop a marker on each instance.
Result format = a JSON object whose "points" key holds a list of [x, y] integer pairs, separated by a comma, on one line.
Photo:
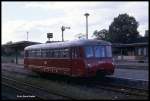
{"points": [[27, 36], [63, 29], [86, 14]]}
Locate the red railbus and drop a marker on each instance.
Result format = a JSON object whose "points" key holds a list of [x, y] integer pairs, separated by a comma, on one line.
{"points": [[80, 58]]}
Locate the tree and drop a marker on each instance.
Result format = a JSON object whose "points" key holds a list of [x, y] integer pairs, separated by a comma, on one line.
{"points": [[146, 34], [102, 34], [9, 42], [123, 29], [80, 36]]}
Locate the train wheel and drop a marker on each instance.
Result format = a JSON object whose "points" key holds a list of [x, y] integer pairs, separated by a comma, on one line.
{"points": [[100, 74]]}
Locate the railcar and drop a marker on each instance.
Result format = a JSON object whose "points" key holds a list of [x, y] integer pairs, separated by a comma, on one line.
{"points": [[80, 58]]}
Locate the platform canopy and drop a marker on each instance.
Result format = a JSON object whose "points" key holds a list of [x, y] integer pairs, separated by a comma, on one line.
{"points": [[18, 47], [20, 44]]}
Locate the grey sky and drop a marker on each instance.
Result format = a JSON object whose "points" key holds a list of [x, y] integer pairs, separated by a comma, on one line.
{"points": [[39, 18]]}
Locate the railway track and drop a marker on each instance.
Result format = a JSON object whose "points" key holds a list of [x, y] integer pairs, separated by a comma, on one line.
{"points": [[100, 84], [19, 71], [20, 91], [11, 64], [121, 89], [103, 85], [31, 89]]}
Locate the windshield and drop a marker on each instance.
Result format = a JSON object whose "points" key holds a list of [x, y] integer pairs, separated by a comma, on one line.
{"points": [[98, 51], [89, 52]]}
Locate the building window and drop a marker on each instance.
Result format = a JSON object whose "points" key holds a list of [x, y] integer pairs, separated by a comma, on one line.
{"points": [[144, 52], [108, 51], [139, 51]]}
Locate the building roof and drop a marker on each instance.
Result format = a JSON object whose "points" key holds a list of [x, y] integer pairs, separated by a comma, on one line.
{"points": [[130, 45], [142, 39], [20, 44]]}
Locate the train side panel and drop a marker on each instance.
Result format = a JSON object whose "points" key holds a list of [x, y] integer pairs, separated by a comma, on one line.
{"points": [[57, 66], [100, 66]]}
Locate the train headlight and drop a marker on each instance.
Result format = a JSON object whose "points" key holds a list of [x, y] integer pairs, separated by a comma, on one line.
{"points": [[113, 61], [113, 64], [89, 65]]}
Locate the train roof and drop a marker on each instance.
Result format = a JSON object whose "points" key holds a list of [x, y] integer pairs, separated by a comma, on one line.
{"points": [[68, 44]]}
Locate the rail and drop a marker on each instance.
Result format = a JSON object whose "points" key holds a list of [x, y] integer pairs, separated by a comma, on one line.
{"points": [[28, 88], [105, 85]]}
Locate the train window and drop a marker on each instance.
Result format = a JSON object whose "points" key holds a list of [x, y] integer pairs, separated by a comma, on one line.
{"points": [[99, 51], [38, 54], [46, 52], [55, 53], [65, 53], [108, 51], [49, 53], [52, 53], [33, 53], [43, 52], [61, 53], [30, 53], [89, 51], [75, 52], [26, 54]]}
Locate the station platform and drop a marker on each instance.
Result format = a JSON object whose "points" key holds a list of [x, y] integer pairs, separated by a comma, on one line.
{"points": [[132, 74], [131, 77]]}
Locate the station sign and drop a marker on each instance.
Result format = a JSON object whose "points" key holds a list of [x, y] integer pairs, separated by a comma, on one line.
{"points": [[49, 35]]}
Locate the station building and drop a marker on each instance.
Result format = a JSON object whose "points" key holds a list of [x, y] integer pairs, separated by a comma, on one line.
{"points": [[133, 51], [13, 52]]}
